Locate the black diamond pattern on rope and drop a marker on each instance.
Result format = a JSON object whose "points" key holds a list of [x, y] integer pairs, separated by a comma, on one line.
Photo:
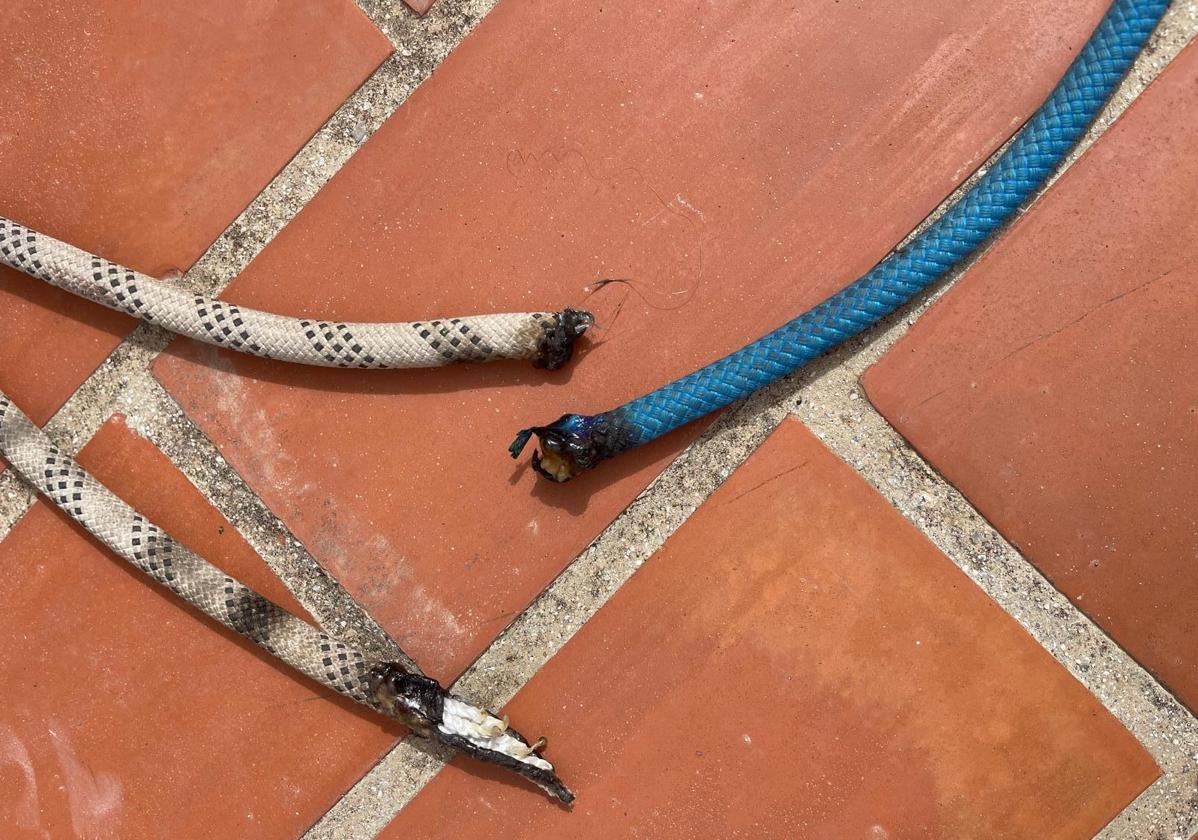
{"points": [[336, 344], [224, 324]]}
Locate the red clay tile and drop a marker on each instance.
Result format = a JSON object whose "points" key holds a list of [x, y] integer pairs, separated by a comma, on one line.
{"points": [[1055, 385], [737, 165], [420, 7], [799, 662], [125, 714], [140, 131]]}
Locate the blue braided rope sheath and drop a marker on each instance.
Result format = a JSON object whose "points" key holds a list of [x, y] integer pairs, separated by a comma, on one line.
{"points": [[578, 442]]}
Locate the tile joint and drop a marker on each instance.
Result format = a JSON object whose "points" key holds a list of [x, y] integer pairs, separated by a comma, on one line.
{"points": [[831, 405], [819, 396]]}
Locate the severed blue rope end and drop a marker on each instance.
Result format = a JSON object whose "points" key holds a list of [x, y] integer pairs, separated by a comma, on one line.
{"points": [[573, 444]]}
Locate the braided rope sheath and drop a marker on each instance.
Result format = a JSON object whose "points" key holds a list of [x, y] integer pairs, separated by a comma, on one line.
{"points": [[578, 442], [546, 338], [415, 700]]}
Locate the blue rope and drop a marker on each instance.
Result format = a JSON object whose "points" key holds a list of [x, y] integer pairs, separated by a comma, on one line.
{"points": [[1040, 147]]}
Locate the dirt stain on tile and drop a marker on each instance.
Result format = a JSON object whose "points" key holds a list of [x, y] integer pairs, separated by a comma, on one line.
{"points": [[95, 798]]}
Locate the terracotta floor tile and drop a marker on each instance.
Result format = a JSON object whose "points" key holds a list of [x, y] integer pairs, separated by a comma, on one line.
{"points": [[737, 165], [125, 714], [420, 6], [140, 131], [799, 662], [1055, 385]]}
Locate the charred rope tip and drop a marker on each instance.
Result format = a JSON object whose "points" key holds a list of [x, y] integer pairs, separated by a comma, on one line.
{"points": [[557, 339], [572, 443], [421, 704]]}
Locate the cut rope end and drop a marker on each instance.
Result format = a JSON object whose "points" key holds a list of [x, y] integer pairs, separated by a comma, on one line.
{"points": [[557, 339], [569, 446], [421, 704]]}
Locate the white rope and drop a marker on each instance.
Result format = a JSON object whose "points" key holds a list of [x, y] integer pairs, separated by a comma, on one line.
{"points": [[543, 337]]}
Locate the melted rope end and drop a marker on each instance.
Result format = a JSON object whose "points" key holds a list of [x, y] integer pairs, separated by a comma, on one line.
{"points": [[557, 339], [575, 443], [567, 447], [430, 711]]}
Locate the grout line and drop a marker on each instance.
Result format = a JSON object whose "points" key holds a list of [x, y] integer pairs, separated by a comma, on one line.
{"points": [[834, 408], [152, 413], [566, 604], [16, 497], [84, 412], [124, 383], [421, 44], [1166, 728]]}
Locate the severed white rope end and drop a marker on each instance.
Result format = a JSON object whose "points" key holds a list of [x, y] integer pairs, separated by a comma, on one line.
{"points": [[556, 344], [432, 712]]}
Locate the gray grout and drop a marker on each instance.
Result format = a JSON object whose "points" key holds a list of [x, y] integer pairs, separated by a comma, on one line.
{"points": [[81, 416], [831, 407], [152, 413], [836, 410], [16, 497], [829, 395], [563, 607], [421, 45]]}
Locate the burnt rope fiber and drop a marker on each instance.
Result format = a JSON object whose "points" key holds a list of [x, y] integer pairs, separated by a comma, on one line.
{"points": [[545, 338], [386, 687], [575, 443]]}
